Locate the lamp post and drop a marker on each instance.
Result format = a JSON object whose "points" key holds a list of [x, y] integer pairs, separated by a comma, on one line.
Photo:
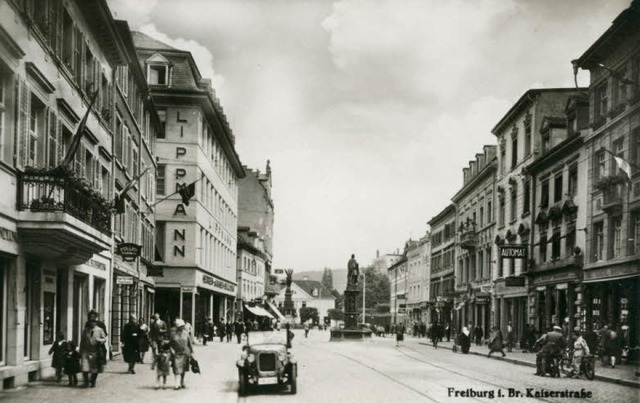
{"points": [[364, 296]]}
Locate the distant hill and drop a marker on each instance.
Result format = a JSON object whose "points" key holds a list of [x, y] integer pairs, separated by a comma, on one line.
{"points": [[339, 277]]}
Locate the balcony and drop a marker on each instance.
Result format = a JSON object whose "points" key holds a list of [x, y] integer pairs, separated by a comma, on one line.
{"points": [[61, 217], [612, 199], [469, 239]]}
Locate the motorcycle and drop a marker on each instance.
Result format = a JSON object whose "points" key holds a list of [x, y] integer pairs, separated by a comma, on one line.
{"points": [[587, 366]]}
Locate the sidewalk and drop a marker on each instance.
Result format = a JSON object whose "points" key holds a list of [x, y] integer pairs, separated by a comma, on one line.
{"points": [[621, 374]]}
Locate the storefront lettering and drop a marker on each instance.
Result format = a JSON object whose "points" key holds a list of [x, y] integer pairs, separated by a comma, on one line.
{"points": [[180, 209], [513, 252], [8, 235], [181, 152], [179, 235], [97, 265], [181, 172], [223, 285], [611, 272], [178, 250]]}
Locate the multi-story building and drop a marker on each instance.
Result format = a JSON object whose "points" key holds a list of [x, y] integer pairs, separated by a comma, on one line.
{"points": [[443, 261], [475, 202], [611, 269], [382, 263], [558, 217], [398, 288], [252, 266], [195, 239], [418, 265], [56, 246], [135, 125], [519, 138]]}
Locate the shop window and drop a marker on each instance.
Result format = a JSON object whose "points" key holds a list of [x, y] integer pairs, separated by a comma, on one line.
{"points": [[48, 328]]}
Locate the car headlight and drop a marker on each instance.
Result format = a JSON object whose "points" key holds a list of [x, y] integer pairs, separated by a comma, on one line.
{"points": [[251, 358], [281, 356]]}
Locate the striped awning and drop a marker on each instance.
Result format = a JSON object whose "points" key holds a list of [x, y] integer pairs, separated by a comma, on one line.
{"points": [[258, 311]]}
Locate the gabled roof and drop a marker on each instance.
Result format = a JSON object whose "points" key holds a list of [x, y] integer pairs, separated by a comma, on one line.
{"points": [[314, 288], [145, 41]]}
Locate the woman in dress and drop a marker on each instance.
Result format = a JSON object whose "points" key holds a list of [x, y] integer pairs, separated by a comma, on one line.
{"points": [[93, 337], [130, 346], [182, 350]]}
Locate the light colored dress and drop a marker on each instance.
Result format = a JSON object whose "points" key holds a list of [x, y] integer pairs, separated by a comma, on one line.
{"points": [[92, 339], [182, 348]]}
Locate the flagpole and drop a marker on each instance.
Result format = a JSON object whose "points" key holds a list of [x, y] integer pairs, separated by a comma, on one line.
{"points": [[631, 164], [174, 193]]}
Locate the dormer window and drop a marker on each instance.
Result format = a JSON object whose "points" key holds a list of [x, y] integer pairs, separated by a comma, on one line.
{"points": [[158, 70]]}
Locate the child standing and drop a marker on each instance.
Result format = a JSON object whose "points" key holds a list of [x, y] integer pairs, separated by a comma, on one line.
{"points": [[163, 363], [58, 349], [72, 363]]}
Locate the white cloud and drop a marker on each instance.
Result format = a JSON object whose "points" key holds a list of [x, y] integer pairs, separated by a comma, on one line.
{"points": [[136, 12]]}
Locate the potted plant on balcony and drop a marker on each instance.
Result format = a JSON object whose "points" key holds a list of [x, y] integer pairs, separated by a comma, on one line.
{"points": [[609, 181], [44, 203]]}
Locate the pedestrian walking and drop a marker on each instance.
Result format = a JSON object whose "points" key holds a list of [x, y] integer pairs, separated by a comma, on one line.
{"points": [[435, 337], [92, 359], [399, 335], [143, 341], [182, 351], [496, 342], [447, 332], [612, 346], [129, 340], [222, 330], [209, 331], [464, 340], [230, 326], [72, 363], [157, 334], [306, 330], [603, 336], [58, 351], [238, 329], [163, 360], [477, 334], [580, 349]]}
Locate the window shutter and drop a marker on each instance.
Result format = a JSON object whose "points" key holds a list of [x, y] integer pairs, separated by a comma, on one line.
{"points": [[24, 96], [53, 150]]}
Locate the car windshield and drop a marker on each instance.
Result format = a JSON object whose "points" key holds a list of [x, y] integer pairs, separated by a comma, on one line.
{"points": [[267, 337]]}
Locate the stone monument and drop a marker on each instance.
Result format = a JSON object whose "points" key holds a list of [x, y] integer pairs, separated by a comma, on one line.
{"points": [[351, 330]]}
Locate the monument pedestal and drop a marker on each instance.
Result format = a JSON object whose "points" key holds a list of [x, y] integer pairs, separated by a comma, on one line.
{"points": [[351, 330]]}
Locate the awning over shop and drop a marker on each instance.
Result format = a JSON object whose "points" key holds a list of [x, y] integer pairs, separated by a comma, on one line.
{"points": [[258, 311], [275, 310]]}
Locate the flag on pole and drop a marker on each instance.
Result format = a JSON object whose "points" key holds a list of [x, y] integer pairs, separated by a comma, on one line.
{"points": [[187, 192], [119, 199], [75, 142], [623, 165]]}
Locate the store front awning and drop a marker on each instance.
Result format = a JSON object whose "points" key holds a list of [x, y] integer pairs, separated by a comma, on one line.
{"points": [[275, 310], [258, 311]]}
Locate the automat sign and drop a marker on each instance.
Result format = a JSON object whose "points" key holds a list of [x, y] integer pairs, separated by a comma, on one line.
{"points": [[513, 251]]}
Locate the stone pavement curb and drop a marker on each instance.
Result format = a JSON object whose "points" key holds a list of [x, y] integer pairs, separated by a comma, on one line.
{"points": [[609, 379]]}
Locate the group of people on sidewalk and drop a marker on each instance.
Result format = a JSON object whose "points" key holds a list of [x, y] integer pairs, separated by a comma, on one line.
{"points": [[172, 350], [90, 357]]}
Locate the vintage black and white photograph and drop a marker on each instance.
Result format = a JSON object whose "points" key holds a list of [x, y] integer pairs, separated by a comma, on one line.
{"points": [[319, 201]]}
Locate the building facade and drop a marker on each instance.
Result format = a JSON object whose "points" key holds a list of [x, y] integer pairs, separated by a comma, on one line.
{"points": [[398, 287], [307, 294], [196, 230], [443, 261], [611, 268], [382, 263], [519, 139], [56, 60], [558, 219], [252, 267], [418, 271], [474, 244]]}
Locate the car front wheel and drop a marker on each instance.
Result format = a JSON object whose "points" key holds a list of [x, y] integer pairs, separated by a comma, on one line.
{"points": [[293, 378]]}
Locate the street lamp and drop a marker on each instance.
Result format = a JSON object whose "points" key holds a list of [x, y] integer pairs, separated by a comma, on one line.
{"points": [[364, 295]]}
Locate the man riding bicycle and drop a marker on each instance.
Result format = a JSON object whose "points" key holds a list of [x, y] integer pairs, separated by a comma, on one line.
{"points": [[552, 344]]}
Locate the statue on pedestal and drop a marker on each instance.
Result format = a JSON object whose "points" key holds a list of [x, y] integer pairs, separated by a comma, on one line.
{"points": [[353, 271]]}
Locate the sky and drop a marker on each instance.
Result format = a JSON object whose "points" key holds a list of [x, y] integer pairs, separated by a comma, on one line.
{"points": [[369, 109]]}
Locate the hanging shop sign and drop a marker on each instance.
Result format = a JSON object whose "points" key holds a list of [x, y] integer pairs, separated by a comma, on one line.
{"points": [[513, 252], [129, 251], [124, 280], [514, 281]]}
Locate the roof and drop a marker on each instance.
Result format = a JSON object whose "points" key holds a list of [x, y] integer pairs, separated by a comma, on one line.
{"points": [[310, 285], [441, 215], [626, 22], [145, 41]]}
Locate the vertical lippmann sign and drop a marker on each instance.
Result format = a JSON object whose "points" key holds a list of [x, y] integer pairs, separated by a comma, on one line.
{"points": [[514, 252]]}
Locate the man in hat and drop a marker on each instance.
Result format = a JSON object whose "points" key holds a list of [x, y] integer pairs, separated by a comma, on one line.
{"points": [[552, 344], [94, 315]]}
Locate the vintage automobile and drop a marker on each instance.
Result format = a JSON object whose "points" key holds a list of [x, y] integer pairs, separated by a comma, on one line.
{"points": [[266, 360]]}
